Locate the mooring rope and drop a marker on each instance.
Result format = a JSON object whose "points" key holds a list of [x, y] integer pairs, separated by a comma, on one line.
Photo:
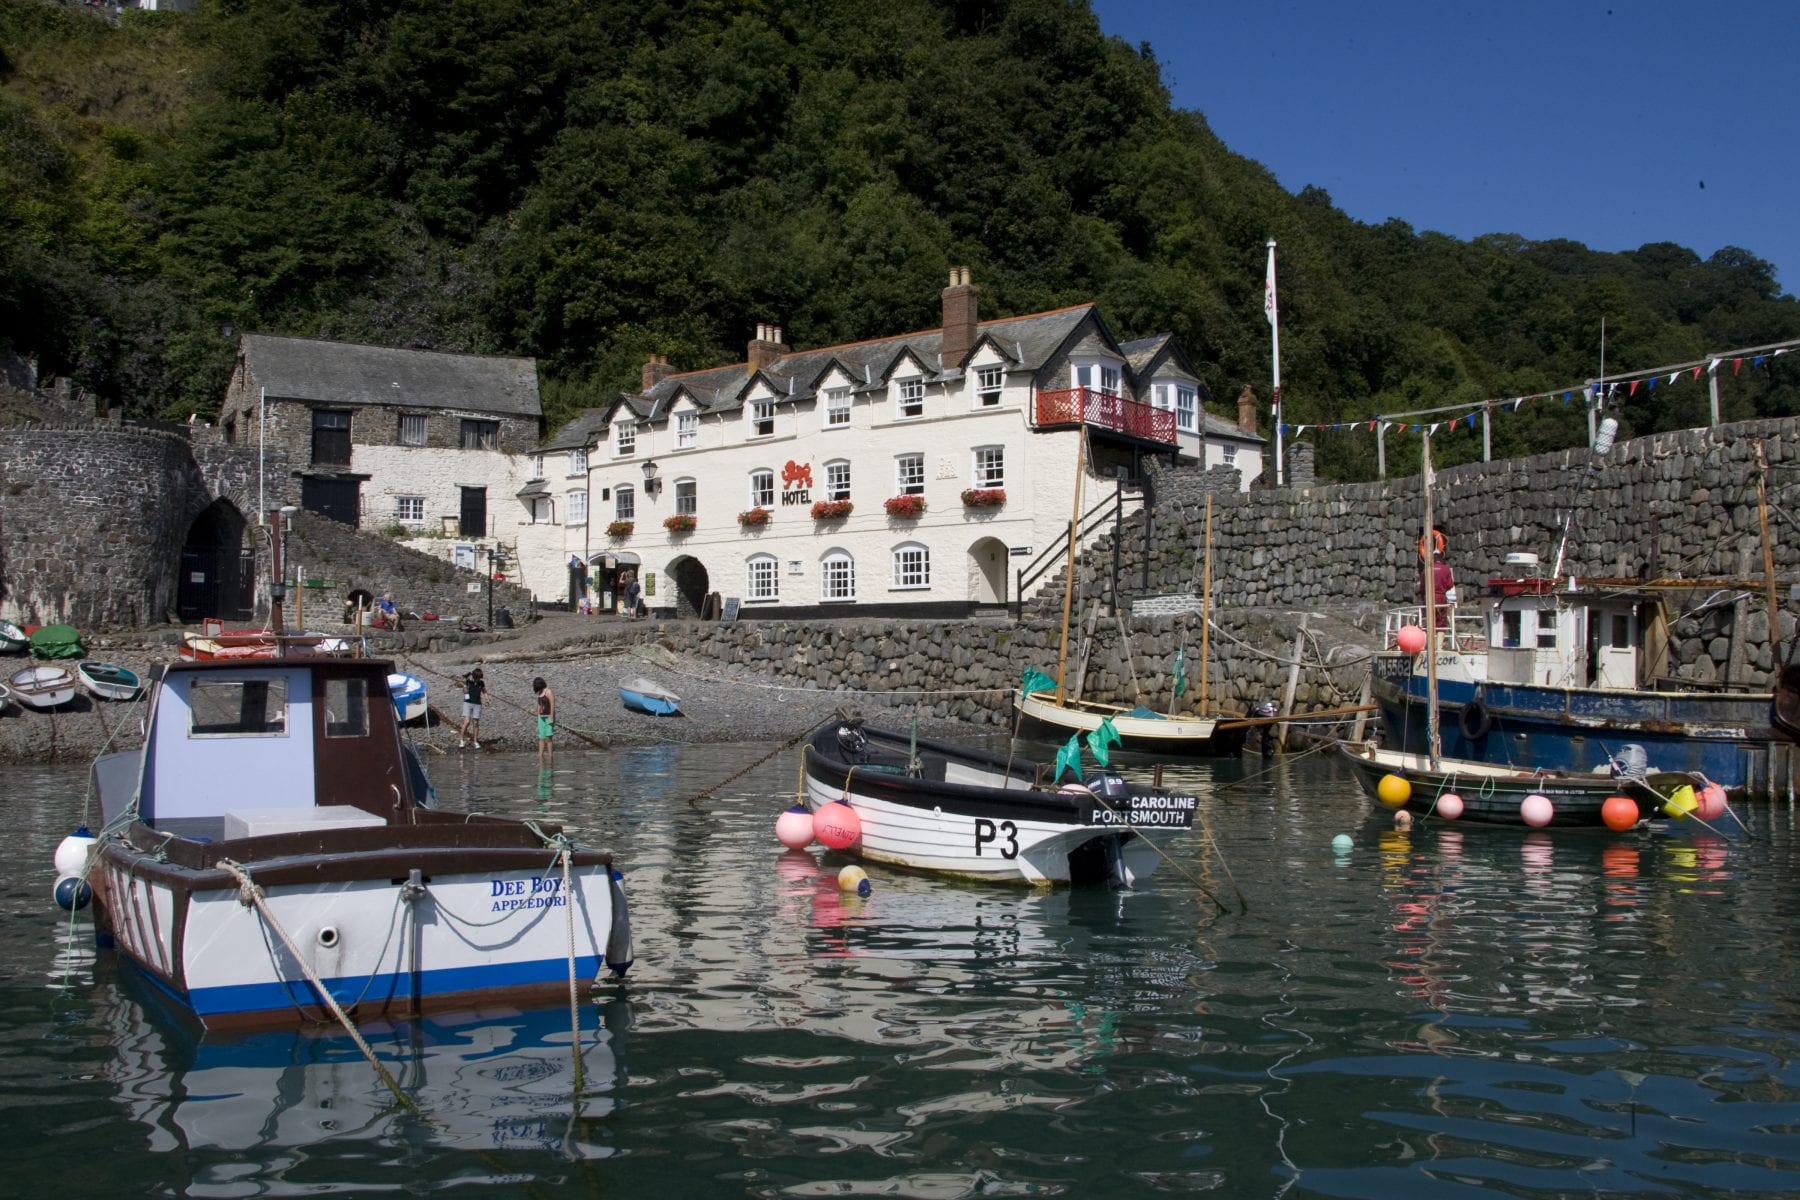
{"points": [[251, 895]]}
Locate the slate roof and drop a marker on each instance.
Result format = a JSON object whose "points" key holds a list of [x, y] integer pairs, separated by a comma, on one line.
{"points": [[577, 434], [1028, 342], [344, 373]]}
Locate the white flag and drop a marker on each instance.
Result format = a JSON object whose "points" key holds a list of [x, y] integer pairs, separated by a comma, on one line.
{"points": [[1269, 288]]}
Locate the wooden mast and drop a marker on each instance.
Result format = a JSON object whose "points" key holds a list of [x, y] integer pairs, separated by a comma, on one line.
{"points": [[1427, 550], [1206, 608], [1062, 651]]}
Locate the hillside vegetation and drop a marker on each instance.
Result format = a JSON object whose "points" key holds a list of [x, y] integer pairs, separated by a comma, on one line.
{"points": [[592, 181]]}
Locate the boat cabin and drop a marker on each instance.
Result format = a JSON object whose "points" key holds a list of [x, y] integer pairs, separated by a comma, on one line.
{"points": [[1546, 636], [243, 748]]}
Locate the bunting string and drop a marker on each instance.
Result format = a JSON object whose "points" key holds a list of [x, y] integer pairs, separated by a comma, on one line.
{"points": [[1598, 392]]}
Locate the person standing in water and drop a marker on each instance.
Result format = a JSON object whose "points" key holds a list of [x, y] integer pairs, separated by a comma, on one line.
{"points": [[546, 718]]}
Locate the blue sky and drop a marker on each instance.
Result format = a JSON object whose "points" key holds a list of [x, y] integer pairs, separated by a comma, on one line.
{"points": [[1595, 120]]}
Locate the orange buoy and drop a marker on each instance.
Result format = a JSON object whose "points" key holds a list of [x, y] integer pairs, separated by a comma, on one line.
{"points": [[837, 826], [1619, 812]]}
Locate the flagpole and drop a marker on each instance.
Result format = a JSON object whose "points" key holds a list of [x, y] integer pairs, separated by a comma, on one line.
{"points": [[1062, 651], [1273, 312], [1206, 609]]}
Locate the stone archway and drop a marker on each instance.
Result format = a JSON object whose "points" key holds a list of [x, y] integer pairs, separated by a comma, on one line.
{"points": [[988, 571], [218, 567], [687, 583]]}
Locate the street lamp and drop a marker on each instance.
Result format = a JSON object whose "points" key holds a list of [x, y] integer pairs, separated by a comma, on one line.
{"points": [[651, 485]]}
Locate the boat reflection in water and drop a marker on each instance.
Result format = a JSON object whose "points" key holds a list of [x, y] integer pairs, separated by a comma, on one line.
{"points": [[494, 1079]]}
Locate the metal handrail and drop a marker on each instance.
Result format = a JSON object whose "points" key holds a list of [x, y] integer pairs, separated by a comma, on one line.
{"points": [[1033, 571]]}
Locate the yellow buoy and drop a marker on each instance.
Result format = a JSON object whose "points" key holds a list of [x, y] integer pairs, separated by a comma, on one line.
{"points": [[1393, 790], [1682, 802]]}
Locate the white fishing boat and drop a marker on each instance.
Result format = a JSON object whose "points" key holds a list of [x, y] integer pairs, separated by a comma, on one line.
{"points": [[272, 854], [42, 686], [933, 806]]}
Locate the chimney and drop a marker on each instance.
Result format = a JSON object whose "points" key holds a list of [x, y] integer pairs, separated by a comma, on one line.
{"points": [[1247, 409], [656, 370], [765, 347], [959, 319]]}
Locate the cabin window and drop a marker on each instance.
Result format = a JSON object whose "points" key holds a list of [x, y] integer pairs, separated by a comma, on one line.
{"points": [[1510, 627], [346, 708], [1621, 632], [1546, 631], [238, 708]]}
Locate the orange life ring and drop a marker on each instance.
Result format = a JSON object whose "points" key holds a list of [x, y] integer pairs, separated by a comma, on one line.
{"points": [[1437, 541]]}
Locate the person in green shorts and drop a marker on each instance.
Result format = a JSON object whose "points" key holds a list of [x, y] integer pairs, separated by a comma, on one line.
{"points": [[546, 715]]}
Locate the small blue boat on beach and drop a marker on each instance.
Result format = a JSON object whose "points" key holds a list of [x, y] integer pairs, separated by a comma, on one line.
{"points": [[646, 696]]}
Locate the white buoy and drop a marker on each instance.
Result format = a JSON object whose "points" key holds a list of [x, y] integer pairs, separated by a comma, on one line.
{"points": [[72, 852], [1343, 843]]}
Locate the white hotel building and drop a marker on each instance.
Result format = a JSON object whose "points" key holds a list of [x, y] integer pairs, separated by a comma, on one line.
{"points": [[914, 474]]}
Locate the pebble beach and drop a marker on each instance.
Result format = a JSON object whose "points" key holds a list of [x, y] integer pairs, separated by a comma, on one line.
{"points": [[584, 673]]}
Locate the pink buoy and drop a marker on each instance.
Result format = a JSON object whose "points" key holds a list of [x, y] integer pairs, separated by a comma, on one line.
{"points": [[1410, 639], [837, 826], [1712, 803], [1536, 810], [1449, 806], [794, 828]]}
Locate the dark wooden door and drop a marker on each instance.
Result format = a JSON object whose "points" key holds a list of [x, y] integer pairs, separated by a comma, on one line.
{"points": [[474, 512], [334, 498]]}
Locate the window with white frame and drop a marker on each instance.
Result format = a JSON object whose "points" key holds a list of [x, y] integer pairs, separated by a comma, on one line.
{"points": [[1229, 449], [575, 504], [412, 429], [762, 578], [988, 383], [1187, 409], [409, 510], [1099, 376], [1162, 397], [912, 397], [762, 489], [687, 497], [624, 504], [837, 577], [837, 408], [912, 566], [537, 466], [989, 467], [837, 480], [687, 430], [909, 475], [624, 439], [762, 418], [1109, 379], [578, 461]]}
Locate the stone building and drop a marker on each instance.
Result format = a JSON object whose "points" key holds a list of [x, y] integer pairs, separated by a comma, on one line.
{"points": [[913, 473], [378, 437]]}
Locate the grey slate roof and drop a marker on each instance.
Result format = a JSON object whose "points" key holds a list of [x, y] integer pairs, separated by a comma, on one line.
{"points": [[1028, 341], [344, 373], [577, 434]]}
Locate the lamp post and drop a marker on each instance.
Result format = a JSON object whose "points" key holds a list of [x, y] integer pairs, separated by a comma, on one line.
{"points": [[284, 523], [651, 485]]}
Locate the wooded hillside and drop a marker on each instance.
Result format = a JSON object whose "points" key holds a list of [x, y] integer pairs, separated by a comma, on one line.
{"points": [[591, 181]]}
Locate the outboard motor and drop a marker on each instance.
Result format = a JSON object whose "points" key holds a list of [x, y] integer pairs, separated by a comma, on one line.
{"points": [[1631, 762], [1110, 786], [1267, 708], [850, 739]]}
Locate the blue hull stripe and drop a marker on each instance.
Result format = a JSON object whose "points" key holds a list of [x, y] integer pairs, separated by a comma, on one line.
{"points": [[273, 996]]}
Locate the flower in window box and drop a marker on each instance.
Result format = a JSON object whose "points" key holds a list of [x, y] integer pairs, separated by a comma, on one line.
{"points": [[679, 523], [905, 507], [826, 510], [620, 529], [983, 497], [756, 516]]}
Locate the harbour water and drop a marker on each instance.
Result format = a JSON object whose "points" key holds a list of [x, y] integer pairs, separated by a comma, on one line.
{"points": [[1528, 1013]]}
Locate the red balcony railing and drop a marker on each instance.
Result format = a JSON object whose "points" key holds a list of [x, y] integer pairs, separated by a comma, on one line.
{"points": [[1104, 410]]}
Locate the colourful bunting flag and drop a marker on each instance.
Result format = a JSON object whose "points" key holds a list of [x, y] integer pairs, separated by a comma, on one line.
{"points": [[1100, 741], [1035, 680], [1069, 758], [1180, 671]]}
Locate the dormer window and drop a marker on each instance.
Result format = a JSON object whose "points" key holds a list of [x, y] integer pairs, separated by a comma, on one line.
{"points": [[624, 439], [762, 418], [1097, 376], [1187, 409], [837, 408], [687, 430], [989, 381], [912, 397]]}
